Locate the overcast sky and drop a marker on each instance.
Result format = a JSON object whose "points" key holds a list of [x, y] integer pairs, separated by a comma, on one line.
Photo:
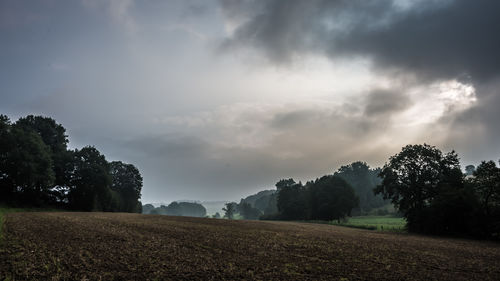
{"points": [[220, 99]]}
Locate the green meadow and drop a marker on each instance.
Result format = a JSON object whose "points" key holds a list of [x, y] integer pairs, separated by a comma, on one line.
{"points": [[380, 223]]}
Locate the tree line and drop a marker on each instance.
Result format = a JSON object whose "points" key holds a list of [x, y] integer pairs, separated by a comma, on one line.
{"points": [[326, 198], [188, 209], [425, 185], [38, 170]]}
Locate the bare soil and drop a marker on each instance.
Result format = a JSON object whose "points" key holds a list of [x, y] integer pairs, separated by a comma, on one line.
{"points": [[107, 246]]}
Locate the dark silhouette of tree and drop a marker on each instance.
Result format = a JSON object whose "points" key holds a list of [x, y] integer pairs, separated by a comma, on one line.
{"points": [[7, 144], [487, 185], [37, 169], [90, 181], [29, 167], [284, 183], [412, 180], [146, 209], [54, 136], [248, 212], [229, 210], [272, 205], [331, 198], [363, 180], [292, 200], [126, 180]]}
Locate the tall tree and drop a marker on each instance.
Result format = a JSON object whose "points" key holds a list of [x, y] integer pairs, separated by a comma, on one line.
{"points": [[413, 177], [29, 167], [90, 181], [292, 200], [126, 180], [487, 185], [54, 136], [229, 210], [7, 143], [331, 198], [363, 179], [248, 212]]}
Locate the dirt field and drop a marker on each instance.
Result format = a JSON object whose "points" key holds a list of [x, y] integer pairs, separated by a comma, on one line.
{"points": [[99, 246]]}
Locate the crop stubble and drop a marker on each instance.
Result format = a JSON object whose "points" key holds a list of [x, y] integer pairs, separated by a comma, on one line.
{"points": [[107, 246]]}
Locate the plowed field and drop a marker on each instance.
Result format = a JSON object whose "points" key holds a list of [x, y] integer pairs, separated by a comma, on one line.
{"points": [[104, 246]]}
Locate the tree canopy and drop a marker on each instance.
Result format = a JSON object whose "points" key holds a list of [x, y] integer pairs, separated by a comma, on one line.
{"points": [[38, 169], [363, 179]]}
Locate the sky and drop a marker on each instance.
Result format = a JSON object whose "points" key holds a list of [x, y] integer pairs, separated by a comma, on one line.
{"points": [[216, 100]]}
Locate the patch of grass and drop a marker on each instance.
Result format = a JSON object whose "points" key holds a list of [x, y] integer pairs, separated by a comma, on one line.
{"points": [[380, 223]]}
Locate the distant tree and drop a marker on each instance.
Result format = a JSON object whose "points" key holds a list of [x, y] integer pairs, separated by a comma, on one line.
{"points": [[284, 183], [187, 209], [146, 209], [229, 210], [216, 216], [259, 200], [192, 209], [413, 178], [469, 170], [272, 205], [126, 180], [331, 198], [292, 200], [248, 212], [363, 179]]}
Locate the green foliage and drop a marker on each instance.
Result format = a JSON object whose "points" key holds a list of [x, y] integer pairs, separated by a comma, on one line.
{"points": [[380, 223], [248, 212], [363, 179], [37, 169], [260, 200], [146, 209], [327, 198], [126, 181], [292, 200], [486, 184], [264, 201], [187, 209], [90, 182], [331, 197], [229, 210], [430, 190], [29, 167], [414, 177], [272, 205]]}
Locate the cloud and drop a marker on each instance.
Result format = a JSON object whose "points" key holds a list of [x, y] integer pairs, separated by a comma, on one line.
{"points": [[382, 102], [443, 53], [432, 39], [118, 10], [241, 148]]}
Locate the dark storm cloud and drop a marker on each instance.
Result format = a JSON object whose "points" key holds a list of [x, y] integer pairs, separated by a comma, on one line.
{"points": [[433, 39], [411, 42]]}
